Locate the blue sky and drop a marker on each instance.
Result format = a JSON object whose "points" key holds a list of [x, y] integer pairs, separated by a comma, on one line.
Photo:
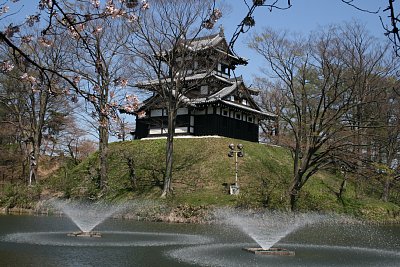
{"points": [[303, 17]]}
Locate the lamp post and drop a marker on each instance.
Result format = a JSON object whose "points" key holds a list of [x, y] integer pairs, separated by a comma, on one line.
{"points": [[234, 189]]}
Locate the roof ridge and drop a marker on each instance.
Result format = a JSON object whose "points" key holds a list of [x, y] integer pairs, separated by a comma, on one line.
{"points": [[212, 36]]}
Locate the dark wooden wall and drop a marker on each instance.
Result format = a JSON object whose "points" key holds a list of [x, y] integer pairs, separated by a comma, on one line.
{"points": [[225, 126]]}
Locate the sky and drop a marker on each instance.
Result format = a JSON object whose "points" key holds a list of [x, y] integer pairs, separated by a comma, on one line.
{"points": [[303, 17]]}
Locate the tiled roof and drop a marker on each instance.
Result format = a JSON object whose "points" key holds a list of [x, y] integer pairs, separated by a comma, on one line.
{"points": [[198, 76], [205, 42]]}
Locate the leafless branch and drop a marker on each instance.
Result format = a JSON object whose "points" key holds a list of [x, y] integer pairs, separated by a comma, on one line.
{"points": [[350, 3], [248, 21]]}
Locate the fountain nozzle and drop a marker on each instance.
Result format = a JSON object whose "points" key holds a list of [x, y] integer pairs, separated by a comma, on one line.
{"points": [[85, 234], [270, 251]]}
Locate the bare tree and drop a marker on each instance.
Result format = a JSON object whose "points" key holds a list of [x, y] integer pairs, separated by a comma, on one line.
{"points": [[32, 101], [320, 86], [97, 61]]}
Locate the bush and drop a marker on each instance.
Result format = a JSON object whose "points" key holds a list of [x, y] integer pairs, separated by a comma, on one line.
{"points": [[19, 195]]}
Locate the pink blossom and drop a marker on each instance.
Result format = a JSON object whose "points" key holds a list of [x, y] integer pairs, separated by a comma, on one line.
{"points": [[208, 24], [131, 103], [11, 30], [76, 80], [45, 4], [133, 18], [216, 15], [4, 10], [28, 78], [145, 5], [66, 91], [24, 76], [141, 114], [32, 19], [97, 30], [6, 66], [121, 82], [45, 42], [26, 39], [95, 3]]}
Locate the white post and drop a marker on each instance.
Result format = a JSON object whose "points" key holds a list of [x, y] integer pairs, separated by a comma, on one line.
{"points": [[236, 168]]}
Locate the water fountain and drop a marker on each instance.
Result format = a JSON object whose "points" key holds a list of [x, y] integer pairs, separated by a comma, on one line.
{"points": [[86, 216], [266, 228]]}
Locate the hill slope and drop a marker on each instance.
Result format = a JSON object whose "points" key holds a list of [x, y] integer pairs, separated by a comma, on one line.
{"points": [[202, 171]]}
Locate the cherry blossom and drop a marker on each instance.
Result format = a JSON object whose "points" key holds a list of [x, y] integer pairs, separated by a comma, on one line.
{"points": [[121, 82], [11, 30], [4, 10], [145, 5], [95, 3], [45, 42], [97, 30], [45, 4], [6, 66], [214, 17], [28, 78], [141, 114], [76, 80], [133, 18], [26, 39], [32, 19]]}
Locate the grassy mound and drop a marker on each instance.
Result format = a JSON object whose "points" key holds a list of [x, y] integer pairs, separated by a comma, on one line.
{"points": [[203, 172]]}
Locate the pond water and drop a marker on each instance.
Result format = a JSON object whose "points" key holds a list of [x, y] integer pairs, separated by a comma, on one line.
{"points": [[43, 241]]}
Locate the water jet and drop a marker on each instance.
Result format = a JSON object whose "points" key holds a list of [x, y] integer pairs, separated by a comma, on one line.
{"points": [[86, 216], [267, 228]]}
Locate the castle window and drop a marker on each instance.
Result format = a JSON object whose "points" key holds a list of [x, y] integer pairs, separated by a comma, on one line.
{"points": [[238, 116], [225, 69], [225, 112]]}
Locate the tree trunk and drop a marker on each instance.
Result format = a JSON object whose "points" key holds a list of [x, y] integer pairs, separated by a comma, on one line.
{"points": [[37, 137], [342, 187], [294, 191], [132, 172], [167, 188], [386, 189], [103, 151]]}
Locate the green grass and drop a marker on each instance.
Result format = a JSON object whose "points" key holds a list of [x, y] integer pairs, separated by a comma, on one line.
{"points": [[202, 171]]}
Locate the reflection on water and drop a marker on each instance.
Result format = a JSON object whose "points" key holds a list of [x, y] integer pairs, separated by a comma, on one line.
{"points": [[42, 241]]}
